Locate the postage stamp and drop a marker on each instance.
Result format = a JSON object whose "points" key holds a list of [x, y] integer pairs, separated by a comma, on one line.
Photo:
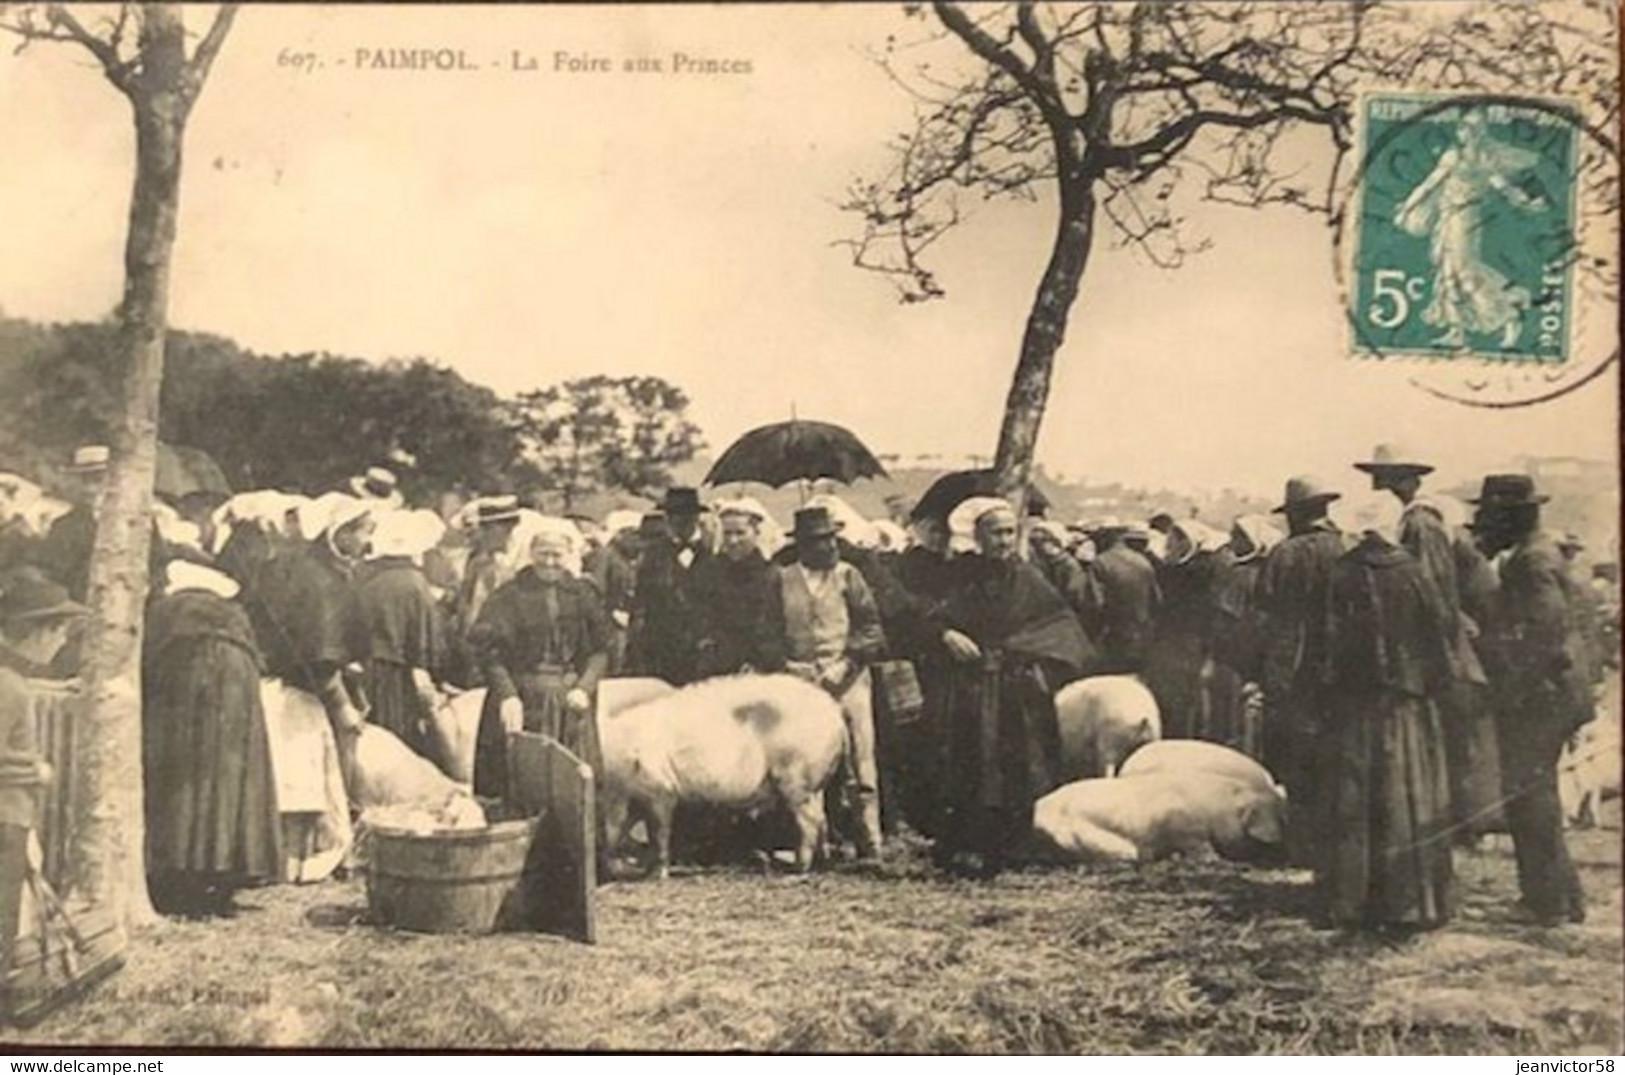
{"points": [[1465, 233]]}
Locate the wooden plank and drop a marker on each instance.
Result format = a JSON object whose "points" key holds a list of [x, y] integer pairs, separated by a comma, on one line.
{"points": [[559, 789], [57, 706]]}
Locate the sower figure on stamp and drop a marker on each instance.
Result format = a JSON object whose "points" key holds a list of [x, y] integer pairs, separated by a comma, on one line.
{"points": [[832, 634], [1539, 696], [1292, 602], [1469, 733], [661, 641]]}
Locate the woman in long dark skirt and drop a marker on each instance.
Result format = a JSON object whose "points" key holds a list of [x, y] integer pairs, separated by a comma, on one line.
{"points": [[211, 810], [1013, 641], [1386, 863]]}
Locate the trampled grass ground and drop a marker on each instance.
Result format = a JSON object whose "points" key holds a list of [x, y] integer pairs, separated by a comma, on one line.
{"points": [[1195, 957]]}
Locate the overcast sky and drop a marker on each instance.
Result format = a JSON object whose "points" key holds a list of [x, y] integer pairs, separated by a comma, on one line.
{"points": [[524, 228]]}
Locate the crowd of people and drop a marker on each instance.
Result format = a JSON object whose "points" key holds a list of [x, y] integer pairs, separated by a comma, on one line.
{"points": [[1410, 676]]}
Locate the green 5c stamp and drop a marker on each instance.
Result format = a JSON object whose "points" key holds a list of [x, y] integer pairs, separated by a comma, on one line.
{"points": [[1465, 237]]}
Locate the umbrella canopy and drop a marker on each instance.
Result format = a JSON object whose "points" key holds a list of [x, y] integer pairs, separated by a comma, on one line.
{"points": [[185, 471], [948, 491], [784, 452]]}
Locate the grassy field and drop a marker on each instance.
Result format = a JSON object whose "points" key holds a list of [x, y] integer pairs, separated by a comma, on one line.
{"points": [[1184, 957]]}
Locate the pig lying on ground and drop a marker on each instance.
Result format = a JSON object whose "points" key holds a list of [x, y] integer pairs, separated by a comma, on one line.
{"points": [[740, 741], [1103, 719], [1155, 815], [1198, 756], [393, 786]]}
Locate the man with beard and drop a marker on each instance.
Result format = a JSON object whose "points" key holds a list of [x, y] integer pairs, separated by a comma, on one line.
{"points": [[1539, 693], [1012, 639], [661, 641], [739, 606]]}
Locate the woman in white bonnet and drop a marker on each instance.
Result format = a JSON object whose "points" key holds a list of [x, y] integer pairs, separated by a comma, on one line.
{"points": [[542, 641], [1013, 643], [211, 806], [401, 635], [1380, 763]]}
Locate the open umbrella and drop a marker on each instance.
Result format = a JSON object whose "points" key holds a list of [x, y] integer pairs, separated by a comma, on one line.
{"points": [[797, 450], [948, 491], [184, 472]]}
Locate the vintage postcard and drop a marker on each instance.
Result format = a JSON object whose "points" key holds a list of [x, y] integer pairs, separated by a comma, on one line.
{"points": [[811, 528]]}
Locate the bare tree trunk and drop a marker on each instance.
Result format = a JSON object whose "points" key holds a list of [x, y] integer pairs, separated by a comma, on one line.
{"points": [[1044, 334], [110, 834]]}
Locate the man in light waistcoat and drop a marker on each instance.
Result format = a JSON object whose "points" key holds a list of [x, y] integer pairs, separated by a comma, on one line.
{"points": [[832, 635]]}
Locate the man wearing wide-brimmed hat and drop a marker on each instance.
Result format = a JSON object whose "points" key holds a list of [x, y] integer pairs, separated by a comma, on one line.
{"points": [[832, 634], [661, 641], [1426, 535], [1539, 693], [35, 614], [65, 553], [1292, 598]]}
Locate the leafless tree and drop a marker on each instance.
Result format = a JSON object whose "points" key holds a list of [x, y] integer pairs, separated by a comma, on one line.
{"points": [[1121, 112], [143, 50]]}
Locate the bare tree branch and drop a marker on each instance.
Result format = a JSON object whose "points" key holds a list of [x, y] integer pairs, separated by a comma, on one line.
{"points": [[197, 69]]}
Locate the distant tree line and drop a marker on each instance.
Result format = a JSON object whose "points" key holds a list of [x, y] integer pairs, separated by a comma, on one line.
{"points": [[307, 422]]}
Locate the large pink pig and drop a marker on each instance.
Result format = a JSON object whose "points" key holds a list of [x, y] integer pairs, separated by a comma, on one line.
{"points": [[741, 741]]}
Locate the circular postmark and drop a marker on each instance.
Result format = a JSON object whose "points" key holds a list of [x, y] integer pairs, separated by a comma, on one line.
{"points": [[1477, 242]]}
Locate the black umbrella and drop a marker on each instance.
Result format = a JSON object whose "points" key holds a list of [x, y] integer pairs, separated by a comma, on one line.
{"points": [[784, 452], [184, 472], [952, 489]]}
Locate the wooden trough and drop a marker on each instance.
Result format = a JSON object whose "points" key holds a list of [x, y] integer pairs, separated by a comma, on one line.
{"points": [[536, 874]]}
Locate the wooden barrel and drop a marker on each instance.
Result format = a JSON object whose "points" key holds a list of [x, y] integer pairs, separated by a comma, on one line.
{"points": [[459, 881]]}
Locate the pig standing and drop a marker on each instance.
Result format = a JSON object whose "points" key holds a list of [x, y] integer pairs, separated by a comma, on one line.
{"points": [[1103, 719], [1155, 815], [740, 741], [1198, 756]]}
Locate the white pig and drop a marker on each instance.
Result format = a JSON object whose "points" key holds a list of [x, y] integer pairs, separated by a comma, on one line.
{"points": [[1198, 756], [1154, 815], [381, 773], [1103, 719], [741, 741]]}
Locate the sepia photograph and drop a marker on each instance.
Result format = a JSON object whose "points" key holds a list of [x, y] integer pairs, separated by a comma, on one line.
{"points": [[811, 528]]}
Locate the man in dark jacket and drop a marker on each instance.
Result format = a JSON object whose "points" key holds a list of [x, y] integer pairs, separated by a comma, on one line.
{"points": [[662, 641], [1123, 600], [1292, 603], [1539, 695], [739, 605]]}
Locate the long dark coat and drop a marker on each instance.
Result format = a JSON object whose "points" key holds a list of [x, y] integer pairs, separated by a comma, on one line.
{"points": [[1001, 736], [740, 615], [211, 805], [398, 627], [1292, 603], [1124, 598], [1385, 829], [662, 640], [537, 641]]}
